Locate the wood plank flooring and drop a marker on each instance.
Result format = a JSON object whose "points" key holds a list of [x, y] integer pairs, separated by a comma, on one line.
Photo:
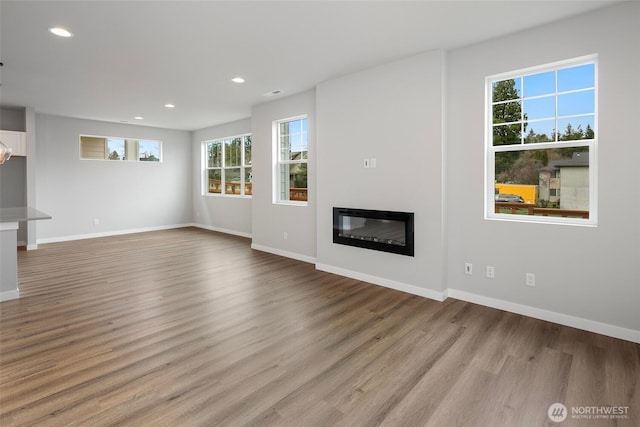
{"points": [[189, 327]]}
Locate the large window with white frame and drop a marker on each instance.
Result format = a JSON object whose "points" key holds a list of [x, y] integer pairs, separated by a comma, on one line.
{"points": [[541, 143], [228, 166], [291, 154]]}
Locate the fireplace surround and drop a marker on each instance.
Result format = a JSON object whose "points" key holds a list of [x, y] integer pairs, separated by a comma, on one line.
{"points": [[386, 231]]}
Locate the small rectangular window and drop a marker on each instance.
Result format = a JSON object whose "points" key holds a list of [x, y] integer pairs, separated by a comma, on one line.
{"points": [[228, 166], [292, 154], [121, 149], [541, 143]]}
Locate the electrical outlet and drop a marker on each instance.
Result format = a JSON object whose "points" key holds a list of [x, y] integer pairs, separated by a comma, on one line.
{"points": [[96, 221], [530, 279], [373, 163], [468, 268], [491, 272], [285, 236]]}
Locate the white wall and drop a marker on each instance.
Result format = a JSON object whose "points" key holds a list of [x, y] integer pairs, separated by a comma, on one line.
{"points": [[123, 196], [227, 214], [582, 273], [270, 221], [392, 113]]}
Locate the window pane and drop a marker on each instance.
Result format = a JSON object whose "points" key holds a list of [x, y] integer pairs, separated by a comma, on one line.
{"points": [[233, 152], [248, 184], [540, 84], [529, 182], [247, 150], [508, 112], [149, 151], [507, 89], [507, 134], [580, 77], [285, 148], [540, 108], [215, 180], [285, 181], [540, 131], [232, 181], [115, 148], [214, 154], [574, 128], [298, 189], [92, 147], [576, 103], [295, 126]]}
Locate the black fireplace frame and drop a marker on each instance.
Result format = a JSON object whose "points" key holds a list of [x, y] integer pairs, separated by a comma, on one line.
{"points": [[404, 217]]}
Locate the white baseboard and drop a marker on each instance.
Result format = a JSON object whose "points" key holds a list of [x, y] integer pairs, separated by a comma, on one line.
{"points": [[9, 295], [399, 286], [223, 230], [550, 316], [525, 310], [286, 254], [110, 233]]}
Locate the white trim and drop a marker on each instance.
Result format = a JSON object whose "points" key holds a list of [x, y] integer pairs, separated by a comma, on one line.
{"points": [[550, 316], [223, 230], [9, 295], [110, 233], [490, 150], [392, 284], [32, 247], [223, 166], [286, 254], [277, 162]]}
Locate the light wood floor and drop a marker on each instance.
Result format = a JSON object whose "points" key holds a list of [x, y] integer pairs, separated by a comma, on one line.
{"points": [[189, 327]]}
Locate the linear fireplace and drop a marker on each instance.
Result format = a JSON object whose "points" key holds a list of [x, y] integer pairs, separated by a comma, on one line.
{"points": [[386, 231]]}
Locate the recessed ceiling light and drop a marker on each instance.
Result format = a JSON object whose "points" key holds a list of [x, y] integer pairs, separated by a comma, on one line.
{"points": [[61, 32], [169, 105], [138, 118], [272, 93], [237, 80]]}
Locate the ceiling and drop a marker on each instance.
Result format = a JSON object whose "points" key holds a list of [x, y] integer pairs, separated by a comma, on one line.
{"points": [[130, 58]]}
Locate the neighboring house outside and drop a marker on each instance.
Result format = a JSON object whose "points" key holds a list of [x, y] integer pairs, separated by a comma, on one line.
{"points": [[566, 181]]}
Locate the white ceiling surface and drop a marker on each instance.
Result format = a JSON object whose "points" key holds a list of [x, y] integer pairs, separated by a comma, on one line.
{"points": [[129, 58]]}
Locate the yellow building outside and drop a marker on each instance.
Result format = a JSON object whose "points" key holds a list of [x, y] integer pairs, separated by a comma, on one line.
{"points": [[528, 192]]}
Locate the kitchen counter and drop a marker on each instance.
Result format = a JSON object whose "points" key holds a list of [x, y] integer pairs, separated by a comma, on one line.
{"points": [[10, 219]]}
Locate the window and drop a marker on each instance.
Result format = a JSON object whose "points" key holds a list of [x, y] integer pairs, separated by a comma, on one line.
{"points": [[541, 142], [291, 156], [122, 149], [228, 166]]}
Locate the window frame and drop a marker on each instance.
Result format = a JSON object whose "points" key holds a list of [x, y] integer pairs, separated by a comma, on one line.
{"points": [[491, 150], [278, 162], [224, 167]]}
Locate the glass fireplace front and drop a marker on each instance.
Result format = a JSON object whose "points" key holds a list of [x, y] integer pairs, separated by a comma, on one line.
{"points": [[386, 231]]}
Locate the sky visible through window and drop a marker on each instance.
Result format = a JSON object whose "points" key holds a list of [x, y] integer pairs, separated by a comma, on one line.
{"points": [[568, 94]]}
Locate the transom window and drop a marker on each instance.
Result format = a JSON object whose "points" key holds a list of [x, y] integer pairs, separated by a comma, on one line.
{"points": [[228, 166], [291, 154], [541, 143], [122, 149]]}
